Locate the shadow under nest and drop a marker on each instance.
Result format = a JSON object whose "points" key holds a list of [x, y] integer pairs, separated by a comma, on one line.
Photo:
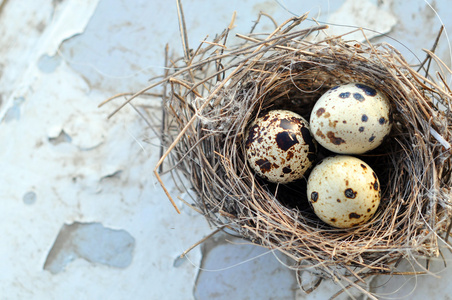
{"points": [[215, 92]]}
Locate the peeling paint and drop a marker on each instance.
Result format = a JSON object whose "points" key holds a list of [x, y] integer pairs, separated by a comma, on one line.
{"points": [[96, 170], [13, 112], [42, 29], [62, 137], [179, 261], [85, 133], [29, 198], [48, 64], [230, 263], [365, 14], [92, 242]]}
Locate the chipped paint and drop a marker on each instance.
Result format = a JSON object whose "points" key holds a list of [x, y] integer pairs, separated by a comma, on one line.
{"points": [[106, 177], [92, 242]]}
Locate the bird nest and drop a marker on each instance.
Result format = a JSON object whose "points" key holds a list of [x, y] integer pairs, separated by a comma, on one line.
{"points": [[213, 93]]}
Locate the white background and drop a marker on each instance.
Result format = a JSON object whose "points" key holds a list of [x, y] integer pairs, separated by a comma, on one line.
{"points": [[62, 161]]}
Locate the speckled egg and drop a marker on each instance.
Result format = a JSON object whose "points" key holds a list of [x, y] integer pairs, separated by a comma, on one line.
{"points": [[344, 191], [351, 119], [279, 146]]}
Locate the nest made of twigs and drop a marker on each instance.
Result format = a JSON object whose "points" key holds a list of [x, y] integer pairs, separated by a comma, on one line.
{"points": [[215, 92]]}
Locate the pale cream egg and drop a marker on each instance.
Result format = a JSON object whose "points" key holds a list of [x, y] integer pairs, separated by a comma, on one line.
{"points": [[344, 191], [351, 119]]}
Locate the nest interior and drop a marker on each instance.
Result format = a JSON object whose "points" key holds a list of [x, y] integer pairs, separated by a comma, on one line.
{"points": [[215, 92]]}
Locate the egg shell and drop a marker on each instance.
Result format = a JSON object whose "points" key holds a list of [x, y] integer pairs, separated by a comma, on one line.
{"points": [[344, 191], [351, 119], [279, 146]]}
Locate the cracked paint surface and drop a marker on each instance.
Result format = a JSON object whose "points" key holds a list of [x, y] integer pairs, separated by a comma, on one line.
{"points": [[92, 242], [63, 162], [228, 263]]}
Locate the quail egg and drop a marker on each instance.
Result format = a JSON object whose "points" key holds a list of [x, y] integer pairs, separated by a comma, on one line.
{"points": [[279, 146], [344, 191], [351, 119]]}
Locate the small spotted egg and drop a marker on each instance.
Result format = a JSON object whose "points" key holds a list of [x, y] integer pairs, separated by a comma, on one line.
{"points": [[279, 146], [344, 191], [351, 119]]}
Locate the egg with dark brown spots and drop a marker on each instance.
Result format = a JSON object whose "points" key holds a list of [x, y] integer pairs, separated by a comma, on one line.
{"points": [[344, 191], [351, 119], [279, 146]]}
